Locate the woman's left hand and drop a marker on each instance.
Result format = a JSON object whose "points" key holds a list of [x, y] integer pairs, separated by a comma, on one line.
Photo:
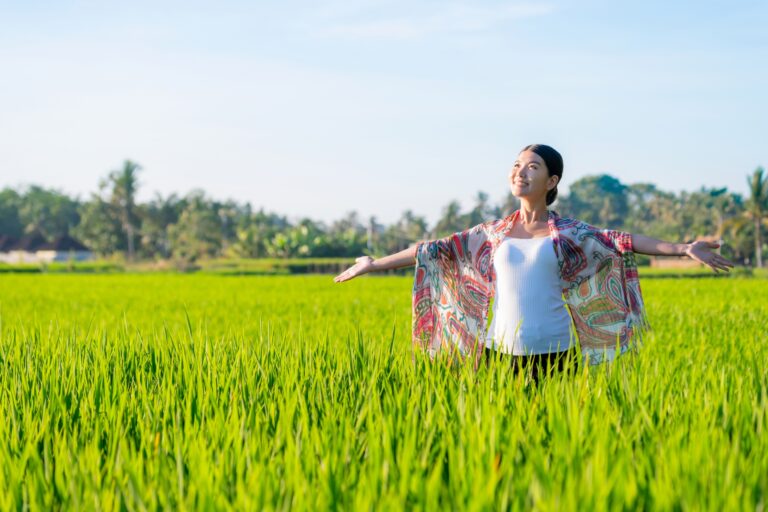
{"points": [[700, 251]]}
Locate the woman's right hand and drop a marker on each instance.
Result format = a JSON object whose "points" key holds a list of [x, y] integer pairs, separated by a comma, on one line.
{"points": [[363, 265]]}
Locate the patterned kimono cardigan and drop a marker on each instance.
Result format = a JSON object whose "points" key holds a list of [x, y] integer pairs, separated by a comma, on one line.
{"points": [[454, 285]]}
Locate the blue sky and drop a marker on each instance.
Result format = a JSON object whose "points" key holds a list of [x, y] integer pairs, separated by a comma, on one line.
{"points": [[317, 108]]}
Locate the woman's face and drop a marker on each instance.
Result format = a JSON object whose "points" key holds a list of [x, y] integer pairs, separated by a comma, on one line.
{"points": [[529, 177]]}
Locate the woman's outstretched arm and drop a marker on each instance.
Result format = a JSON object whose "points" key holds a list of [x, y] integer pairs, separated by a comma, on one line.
{"points": [[365, 264], [699, 251]]}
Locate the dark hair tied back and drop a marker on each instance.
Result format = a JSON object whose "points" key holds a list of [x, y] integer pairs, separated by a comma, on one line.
{"points": [[554, 163]]}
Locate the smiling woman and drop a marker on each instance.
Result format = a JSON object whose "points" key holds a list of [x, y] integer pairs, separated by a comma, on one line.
{"points": [[545, 167], [578, 276]]}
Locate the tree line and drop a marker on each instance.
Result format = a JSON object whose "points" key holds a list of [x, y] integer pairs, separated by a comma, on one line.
{"points": [[196, 226]]}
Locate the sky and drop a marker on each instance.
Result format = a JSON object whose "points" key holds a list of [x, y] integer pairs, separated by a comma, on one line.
{"points": [[318, 108]]}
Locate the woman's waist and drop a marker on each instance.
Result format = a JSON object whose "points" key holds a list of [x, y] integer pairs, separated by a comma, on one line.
{"points": [[535, 308], [572, 349], [532, 327]]}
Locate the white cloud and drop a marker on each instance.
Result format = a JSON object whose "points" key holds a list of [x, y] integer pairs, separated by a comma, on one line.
{"points": [[456, 17]]}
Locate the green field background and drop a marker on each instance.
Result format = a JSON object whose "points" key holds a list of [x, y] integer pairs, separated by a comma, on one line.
{"points": [[201, 391]]}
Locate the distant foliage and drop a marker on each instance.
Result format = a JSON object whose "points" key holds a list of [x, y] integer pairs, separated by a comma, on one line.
{"points": [[196, 226]]}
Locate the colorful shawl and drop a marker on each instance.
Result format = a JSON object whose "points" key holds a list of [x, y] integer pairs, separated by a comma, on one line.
{"points": [[454, 286]]}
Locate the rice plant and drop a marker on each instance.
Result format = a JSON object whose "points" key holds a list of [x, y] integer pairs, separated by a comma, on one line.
{"points": [[155, 391]]}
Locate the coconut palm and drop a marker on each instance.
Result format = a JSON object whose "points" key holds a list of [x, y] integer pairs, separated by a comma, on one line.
{"points": [[124, 183], [757, 208], [451, 220]]}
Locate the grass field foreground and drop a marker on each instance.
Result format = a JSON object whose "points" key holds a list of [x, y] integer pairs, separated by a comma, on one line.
{"points": [[145, 391]]}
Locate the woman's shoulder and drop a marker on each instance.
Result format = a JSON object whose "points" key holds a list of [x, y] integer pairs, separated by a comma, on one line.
{"points": [[570, 222]]}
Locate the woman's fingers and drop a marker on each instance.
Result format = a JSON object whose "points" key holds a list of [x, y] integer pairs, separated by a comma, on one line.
{"points": [[713, 260], [342, 276], [718, 262], [355, 270], [722, 262], [346, 275], [714, 263]]}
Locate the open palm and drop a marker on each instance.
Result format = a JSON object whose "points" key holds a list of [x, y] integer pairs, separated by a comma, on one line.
{"points": [[363, 265], [701, 252]]}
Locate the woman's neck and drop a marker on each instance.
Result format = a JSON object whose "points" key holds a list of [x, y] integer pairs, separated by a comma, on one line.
{"points": [[531, 213]]}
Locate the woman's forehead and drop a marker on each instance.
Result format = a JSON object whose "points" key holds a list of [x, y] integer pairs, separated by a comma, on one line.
{"points": [[529, 156]]}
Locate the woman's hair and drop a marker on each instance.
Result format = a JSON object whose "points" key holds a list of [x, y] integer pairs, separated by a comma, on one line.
{"points": [[554, 163]]}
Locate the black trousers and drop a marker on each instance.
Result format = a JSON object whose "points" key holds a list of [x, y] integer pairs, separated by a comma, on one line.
{"points": [[538, 365]]}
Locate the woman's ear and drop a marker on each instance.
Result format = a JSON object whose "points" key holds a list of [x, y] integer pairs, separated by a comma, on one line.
{"points": [[552, 181]]}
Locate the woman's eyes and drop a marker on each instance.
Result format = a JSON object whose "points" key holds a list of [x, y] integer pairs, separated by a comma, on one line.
{"points": [[533, 166]]}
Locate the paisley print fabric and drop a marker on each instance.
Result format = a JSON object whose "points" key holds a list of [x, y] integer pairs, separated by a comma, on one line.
{"points": [[454, 285]]}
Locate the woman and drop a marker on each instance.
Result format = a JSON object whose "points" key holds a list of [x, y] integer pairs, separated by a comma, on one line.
{"points": [[513, 287]]}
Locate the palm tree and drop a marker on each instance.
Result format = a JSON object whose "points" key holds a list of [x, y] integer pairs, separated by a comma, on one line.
{"points": [[412, 226], [482, 210], [124, 185], [757, 207], [450, 221]]}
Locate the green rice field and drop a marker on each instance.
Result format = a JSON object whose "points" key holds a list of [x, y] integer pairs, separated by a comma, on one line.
{"points": [[216, 392]]}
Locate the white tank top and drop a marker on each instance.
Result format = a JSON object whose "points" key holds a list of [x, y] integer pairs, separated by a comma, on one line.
{"points": [[529, 313]]}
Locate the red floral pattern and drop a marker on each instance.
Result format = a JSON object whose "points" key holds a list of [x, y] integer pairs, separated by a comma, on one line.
{"points": [[454, 286]]}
